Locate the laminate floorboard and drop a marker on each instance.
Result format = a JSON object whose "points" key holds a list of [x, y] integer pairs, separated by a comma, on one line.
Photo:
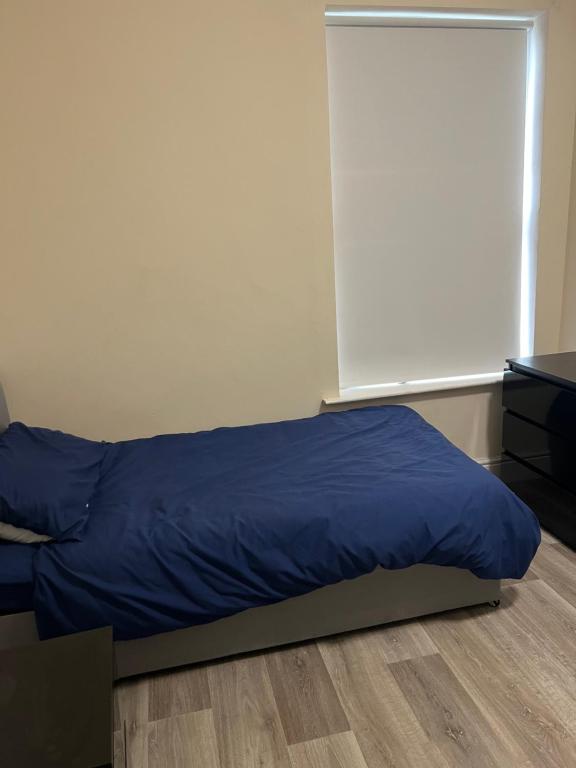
{"points": [[249, 732], [340, 750], [188, 740], [308, 704], [384, 723], [179, 692], [448, 714], [474, 688], [119, 750], [555, 565], [132, 712], [489, 667], [403, 640]]}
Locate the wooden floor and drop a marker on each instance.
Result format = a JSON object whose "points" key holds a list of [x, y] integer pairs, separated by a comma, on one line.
{"points": [[473, 688]]}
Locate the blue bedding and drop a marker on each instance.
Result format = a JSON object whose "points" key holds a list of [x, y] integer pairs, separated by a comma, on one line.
{"points": [[16, 577], [186, 529]]}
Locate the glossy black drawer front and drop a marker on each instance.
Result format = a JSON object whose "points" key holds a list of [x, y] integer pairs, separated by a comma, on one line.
{"points": [[554, 506], [546, 452], [548, 405]]}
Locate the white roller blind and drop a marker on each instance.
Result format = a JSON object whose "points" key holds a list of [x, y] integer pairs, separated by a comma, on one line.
{"points": [[427, 143]]}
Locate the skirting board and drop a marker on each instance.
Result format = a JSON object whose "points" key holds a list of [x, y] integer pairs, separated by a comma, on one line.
{"points": [[378, 598]]}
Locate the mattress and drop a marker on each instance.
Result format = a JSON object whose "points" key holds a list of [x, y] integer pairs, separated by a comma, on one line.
{"points": [[16, 577], [188, 529]]}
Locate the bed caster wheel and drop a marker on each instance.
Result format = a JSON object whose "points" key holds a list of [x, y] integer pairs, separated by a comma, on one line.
{"points": [[494, 603]]}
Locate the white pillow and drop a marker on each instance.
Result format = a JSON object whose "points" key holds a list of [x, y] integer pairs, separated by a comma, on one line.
{"points": [[21, 535]]}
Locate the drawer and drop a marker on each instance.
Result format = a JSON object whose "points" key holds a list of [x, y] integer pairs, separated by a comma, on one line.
{"points": [[546, 404], [554, 506], [544, 451]]}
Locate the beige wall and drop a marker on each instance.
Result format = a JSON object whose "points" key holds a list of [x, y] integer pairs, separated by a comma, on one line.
{"points": [[165, 246], [166, 225], [568, 336]]}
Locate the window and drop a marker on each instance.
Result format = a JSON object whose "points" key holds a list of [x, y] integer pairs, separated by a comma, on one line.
{"points": [[434, 149]]}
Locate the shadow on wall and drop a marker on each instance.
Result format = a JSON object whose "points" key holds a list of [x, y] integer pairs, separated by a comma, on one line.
{"points": [[4, 418]]}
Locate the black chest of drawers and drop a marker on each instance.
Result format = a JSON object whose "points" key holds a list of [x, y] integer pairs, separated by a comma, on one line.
{"points": [[539, 436]]}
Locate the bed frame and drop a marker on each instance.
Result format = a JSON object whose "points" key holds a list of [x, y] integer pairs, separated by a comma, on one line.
{"points": [[380, 597]]}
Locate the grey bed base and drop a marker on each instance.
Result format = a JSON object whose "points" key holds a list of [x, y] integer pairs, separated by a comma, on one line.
{"points": [[378, 598]]}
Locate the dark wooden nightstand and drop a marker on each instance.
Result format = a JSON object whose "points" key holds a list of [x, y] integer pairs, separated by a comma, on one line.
{"points": [[539, 436], [56, 702]]}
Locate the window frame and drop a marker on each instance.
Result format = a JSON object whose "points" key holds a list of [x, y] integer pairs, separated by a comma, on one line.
{"points": [[534, 24]]}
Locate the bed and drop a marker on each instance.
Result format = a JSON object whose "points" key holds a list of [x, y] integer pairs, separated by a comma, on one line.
{"points": [[199, 546], [16, 577]]}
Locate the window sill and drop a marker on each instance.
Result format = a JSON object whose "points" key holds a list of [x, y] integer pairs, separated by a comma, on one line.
{"points": [[397, 389]]}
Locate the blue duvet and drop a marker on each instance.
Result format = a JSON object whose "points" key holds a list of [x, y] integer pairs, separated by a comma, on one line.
{"points": [[187, 529]]}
